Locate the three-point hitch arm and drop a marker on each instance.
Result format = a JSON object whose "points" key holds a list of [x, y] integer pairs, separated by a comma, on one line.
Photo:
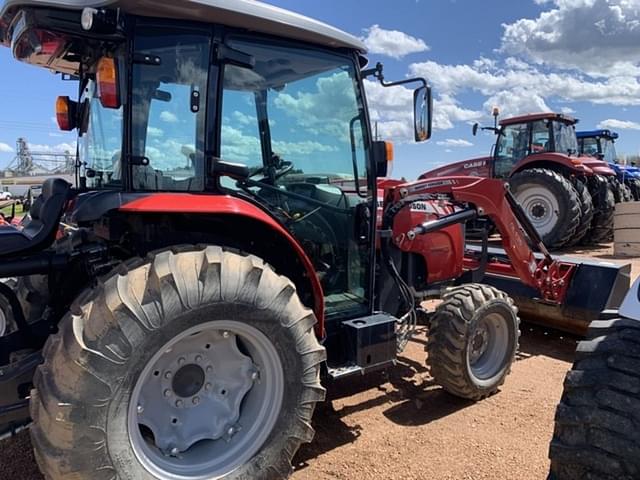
{"points": [[474, 197]]}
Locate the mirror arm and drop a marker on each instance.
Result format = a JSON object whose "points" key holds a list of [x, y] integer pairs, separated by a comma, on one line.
{"points": [[377, 73]]}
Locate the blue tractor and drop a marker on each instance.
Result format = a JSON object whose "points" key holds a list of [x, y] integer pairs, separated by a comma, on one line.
{"points": [[601, 143]]}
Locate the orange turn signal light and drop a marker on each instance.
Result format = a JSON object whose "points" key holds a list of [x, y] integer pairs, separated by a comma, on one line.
{"points": [[576, 161], [66, 113], [389, 150], [107, 80]]}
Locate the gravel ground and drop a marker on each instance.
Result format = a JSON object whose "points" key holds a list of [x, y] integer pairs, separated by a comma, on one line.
{"points": [[399, 425]]}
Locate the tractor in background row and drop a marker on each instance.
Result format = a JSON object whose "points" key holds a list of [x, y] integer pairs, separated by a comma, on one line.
{"points": [[569, 198], [601, 144]]}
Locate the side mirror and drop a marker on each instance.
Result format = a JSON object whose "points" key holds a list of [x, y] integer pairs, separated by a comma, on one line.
{"points": [[382, 153], [422, 113], [474, 130]]}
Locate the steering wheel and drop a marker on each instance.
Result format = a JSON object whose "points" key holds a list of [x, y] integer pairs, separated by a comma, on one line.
{"points": [[274, 172]]}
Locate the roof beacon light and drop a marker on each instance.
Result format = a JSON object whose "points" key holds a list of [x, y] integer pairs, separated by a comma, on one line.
{"points": [[107, 80]]}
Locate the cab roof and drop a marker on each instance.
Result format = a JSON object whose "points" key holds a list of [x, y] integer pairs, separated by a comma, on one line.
{"points": [[532, 117], [597, 133], [248, 14]]}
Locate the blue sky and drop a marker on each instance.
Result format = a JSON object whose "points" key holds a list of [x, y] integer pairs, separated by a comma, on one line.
{"points": [[577, 56]]}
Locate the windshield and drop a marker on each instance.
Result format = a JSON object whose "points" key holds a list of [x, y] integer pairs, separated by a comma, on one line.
{"points": [[295, 106], [564, 136], [589, 146], [100, 145]]}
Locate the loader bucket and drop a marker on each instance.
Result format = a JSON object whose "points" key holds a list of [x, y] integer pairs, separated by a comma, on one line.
{"points": [[595, 286]]}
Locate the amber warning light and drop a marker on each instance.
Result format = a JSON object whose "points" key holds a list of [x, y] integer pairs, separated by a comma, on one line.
{"points": [[66, 113], [107, 80]]}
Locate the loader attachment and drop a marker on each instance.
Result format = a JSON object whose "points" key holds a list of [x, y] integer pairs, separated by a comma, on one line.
{"points": [[594, 287]]}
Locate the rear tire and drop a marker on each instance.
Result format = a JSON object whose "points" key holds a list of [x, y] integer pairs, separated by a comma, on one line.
{"points": [[596, 425], [91, 420], [602, 223], [586, 213], [473, 339], [550, 202]]}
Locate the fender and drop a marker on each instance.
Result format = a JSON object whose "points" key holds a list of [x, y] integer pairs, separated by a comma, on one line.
{"points": [[575, 165], [599, 167], [212, 204]]}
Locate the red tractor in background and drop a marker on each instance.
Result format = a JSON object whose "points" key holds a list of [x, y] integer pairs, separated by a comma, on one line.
{"points": [[568, 197], [178, 311]]}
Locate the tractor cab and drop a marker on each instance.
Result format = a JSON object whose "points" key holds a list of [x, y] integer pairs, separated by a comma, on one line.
{"points": [[599, 143], [176, 103], [531, 135]]}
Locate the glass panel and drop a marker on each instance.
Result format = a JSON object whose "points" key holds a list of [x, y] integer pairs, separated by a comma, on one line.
{"points": [[169, 111], [565, 138], [100, 146], [540, 137], [609, 150], [512, 147], [589, 146], [297, 121]]}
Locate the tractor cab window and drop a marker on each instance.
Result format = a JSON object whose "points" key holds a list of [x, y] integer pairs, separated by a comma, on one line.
{"points": [[540, 141], [609, 150], [564, 136], [296, 119], [589, 146], [512, 146], [169, 92], [100, 142]]}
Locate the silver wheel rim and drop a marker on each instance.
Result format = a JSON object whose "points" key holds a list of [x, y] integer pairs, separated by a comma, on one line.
{"points": [[206, 401], [540, 205], [488, 348]]}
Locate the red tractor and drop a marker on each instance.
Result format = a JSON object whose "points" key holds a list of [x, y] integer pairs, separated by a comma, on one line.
{"points": [[177, 312], [568, 197]]}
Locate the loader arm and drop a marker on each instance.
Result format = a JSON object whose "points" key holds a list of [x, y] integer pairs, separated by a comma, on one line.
{"points": [[488, 197]]}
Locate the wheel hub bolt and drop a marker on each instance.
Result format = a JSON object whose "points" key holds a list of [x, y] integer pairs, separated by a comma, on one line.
{"points": [[179, 403], [181, 360], [209, 369], [255, 376], [225, 334], [231, 431], [208, 386], [198, 358], [140, 409], [175, 452], [167, 393], [196, 400], [167, 375]]}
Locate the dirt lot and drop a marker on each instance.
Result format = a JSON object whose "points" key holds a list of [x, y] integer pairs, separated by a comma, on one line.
{"points": [[402, 426]]}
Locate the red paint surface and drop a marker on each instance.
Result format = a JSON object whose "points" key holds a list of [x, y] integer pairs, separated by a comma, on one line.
{"points": [[228, 205]]}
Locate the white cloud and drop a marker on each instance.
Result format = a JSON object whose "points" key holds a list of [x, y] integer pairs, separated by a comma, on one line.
{"points": [[169, 117], [613, 124], [155, 132], [244, 119], [4, 148], [392, 43], [454, 142], [600, 37]]}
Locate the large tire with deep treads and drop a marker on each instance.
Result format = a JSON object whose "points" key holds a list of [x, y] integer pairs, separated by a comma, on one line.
{"points": [[586, 213], [634, 186], [602, 224], [473, 339], [550, 202], [87, 389], [596, 433]]}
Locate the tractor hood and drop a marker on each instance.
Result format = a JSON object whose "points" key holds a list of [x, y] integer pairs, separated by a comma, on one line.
{"points": [[599, 167], [476, 167]]}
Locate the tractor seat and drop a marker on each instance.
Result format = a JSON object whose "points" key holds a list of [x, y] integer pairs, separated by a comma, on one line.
{"points": [[45, 213]]}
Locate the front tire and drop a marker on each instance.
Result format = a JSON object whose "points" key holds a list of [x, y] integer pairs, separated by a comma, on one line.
{"points": [[193, 363], [550, 202], [473, 339], [596, 435]]}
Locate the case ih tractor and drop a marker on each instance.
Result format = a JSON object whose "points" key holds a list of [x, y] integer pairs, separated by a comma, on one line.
{"points": [[220, 258], [601, 144], [568, 198]]}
